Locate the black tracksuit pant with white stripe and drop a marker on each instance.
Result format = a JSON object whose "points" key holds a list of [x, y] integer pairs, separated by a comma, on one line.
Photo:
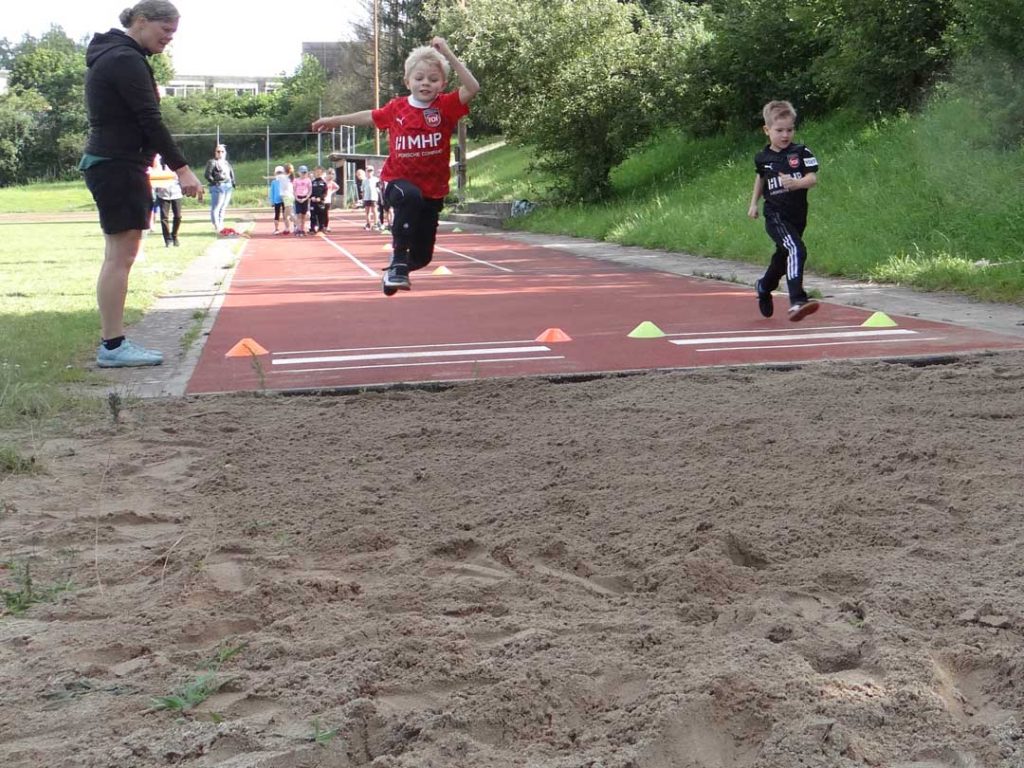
{"points": [[789, 257]]}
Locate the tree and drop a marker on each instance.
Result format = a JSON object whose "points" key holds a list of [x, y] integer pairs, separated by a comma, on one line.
{"points": [[583, 82], [6, 53], [20, 113], [53, 68]]}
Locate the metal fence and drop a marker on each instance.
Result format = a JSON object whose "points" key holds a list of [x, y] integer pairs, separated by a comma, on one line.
{"points": [[273, 147]]}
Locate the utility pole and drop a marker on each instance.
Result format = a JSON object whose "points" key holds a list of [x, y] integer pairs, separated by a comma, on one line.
{"points": [[376, 71]]}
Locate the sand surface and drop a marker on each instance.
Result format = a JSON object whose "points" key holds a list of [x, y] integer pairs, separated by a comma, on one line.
{"points": [[820, 566]]}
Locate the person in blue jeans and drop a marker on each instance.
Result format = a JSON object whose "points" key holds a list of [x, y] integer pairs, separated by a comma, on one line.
{"points": [[221, 178]]}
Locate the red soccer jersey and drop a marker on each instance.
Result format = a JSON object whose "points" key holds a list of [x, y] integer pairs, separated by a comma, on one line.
{"points": [[419, 141]]}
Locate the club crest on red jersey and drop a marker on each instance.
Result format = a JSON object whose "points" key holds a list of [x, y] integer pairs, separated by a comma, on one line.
{"points": [[794, 161], [432, 117]]}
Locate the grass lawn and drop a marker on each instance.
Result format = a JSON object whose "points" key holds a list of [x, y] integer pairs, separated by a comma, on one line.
{"points": [[48, 305]]}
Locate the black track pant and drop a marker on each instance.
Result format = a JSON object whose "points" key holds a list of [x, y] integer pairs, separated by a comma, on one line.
{"points": [[170, 218], [788, 259], [414, 226]]}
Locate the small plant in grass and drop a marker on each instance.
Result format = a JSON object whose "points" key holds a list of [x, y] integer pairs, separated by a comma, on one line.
{"points": [[13, 463], [196, 327], [322, 736]]}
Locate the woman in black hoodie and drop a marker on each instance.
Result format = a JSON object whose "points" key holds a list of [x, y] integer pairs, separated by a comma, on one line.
{"points": [[126, 130]]}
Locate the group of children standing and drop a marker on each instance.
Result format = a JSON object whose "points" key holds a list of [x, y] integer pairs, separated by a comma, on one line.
{"points": [[300, 198]]}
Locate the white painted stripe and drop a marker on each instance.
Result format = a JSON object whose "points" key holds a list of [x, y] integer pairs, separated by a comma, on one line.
{"points": [[798, 336], [400, 355], [421, 365], [822, 344], [404, 346], [357, 262], [802, 328], [471, 258]]}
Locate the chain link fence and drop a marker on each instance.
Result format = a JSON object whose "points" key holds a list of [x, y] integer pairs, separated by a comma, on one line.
{"points": [[273, 147]]}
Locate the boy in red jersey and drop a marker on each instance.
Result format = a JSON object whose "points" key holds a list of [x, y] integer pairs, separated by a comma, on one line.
{"points": [[417, 171]]}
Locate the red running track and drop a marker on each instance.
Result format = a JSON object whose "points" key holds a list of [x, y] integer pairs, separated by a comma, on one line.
{"points": [[315, 304]]}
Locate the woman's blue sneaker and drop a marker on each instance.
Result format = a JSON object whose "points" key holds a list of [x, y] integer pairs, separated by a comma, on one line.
{"points": [[128, 355]]}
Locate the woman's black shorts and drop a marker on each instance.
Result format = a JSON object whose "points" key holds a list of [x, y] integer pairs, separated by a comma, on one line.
{"points": [[122, 194]]}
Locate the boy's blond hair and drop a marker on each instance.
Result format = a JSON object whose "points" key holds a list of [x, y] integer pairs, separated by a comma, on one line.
{"points": [[774, 110], [426, 53]]}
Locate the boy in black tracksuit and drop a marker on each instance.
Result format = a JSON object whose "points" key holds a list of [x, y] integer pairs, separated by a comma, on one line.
{"points": [[785, 171], [318, 201]]}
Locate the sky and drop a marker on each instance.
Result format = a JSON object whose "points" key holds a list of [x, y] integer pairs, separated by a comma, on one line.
{"points": [[215, 37]]}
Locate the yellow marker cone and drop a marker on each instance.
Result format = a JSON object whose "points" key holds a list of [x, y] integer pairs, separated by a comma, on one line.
{"points": [[646, 330], [246, 348], [385, 247], [879, 320], [456, 230], [553, 335], [442, 270]]}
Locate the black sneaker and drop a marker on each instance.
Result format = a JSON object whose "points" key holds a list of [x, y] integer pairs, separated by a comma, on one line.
{"points": [[802, 309], [764, 301], [394, 282]]}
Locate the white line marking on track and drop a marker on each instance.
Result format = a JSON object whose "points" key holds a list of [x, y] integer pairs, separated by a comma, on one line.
{"points": [[822, 344], [405, 346], [792, 337], [800, 329], [433, 362], [471, 258], [400, 355], [357, 262]]}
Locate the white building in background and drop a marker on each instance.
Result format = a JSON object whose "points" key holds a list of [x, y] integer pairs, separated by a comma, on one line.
{"points": [[186, 85], [4, 74]]}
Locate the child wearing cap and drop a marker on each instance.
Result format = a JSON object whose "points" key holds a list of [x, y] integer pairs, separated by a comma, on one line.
{"points": [[303, 187]]}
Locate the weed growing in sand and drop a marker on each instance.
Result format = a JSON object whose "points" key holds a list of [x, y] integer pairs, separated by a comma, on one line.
{"points": [[114, 405], [26, 591], [258, 367], [13, 463], [192, 694], [322, 736], [224, 655], [202, 687]]}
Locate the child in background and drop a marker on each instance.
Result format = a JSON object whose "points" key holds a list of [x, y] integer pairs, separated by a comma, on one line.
{"points": [[275, 197], [169, 196], [417, 170], [303, 187], [317, 196], [332, 187], [288, 198], [785, 171], [371, 193]]}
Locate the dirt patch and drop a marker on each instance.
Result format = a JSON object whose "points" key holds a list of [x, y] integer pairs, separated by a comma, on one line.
{"points": [[714, 569]]}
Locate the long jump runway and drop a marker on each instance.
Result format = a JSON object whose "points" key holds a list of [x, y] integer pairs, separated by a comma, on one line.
{"points": [[308, 313]]}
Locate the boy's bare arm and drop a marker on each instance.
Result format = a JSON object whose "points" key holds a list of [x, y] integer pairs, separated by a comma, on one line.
{"points": [[755, 196], [364, 117], [468, 85]]}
